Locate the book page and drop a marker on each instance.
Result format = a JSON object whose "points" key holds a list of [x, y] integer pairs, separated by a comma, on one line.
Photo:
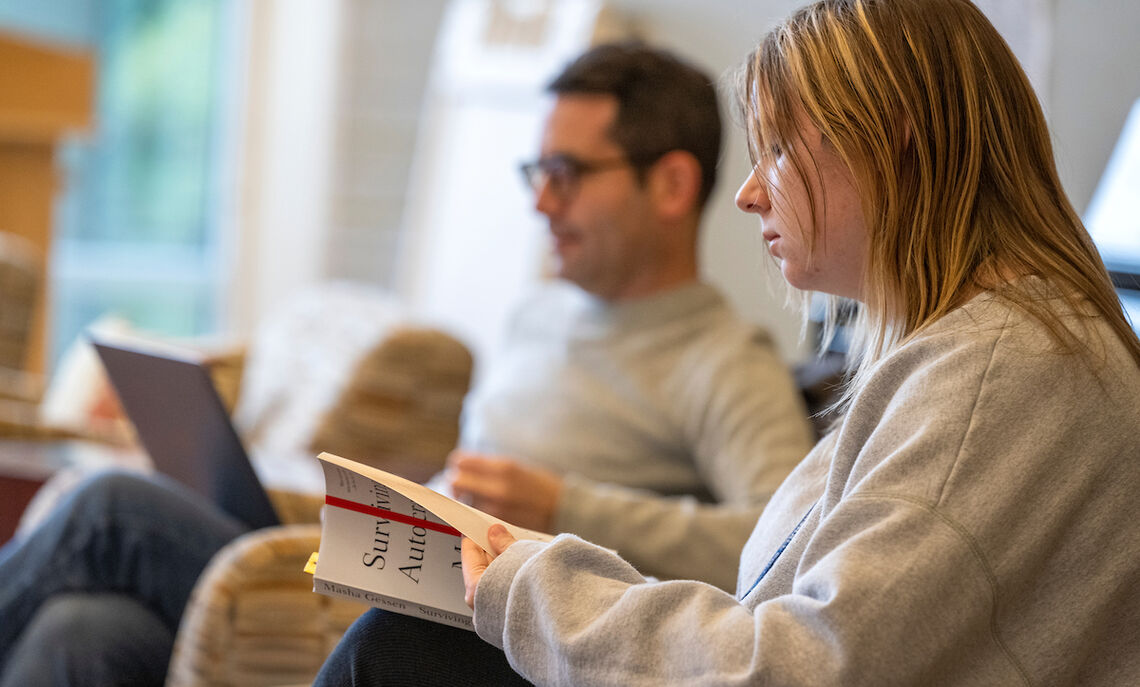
{"points": [[471, 522]]}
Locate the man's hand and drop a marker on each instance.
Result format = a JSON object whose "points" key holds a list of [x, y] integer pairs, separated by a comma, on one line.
{"points": [[476, 560], [521, 495]]}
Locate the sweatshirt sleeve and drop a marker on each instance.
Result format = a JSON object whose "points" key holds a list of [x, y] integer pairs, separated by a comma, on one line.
{"points": [[745, 426], [570, 613], [882, 584]]}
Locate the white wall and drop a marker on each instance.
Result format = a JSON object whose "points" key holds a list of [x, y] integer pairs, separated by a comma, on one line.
{"points": [[1096, 78], [1090, 82], [282, 215]]}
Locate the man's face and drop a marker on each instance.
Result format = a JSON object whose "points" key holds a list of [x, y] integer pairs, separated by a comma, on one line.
{"points": [[602, 222]]}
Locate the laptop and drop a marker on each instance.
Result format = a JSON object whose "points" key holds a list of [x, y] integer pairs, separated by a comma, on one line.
{"points": [[168, 395]]}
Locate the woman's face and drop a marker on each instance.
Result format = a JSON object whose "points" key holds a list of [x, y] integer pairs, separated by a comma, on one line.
{"points": [[777, 193]]}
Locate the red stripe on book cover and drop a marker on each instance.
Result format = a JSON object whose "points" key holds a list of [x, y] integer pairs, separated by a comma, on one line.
{"points": [[389, 515]]}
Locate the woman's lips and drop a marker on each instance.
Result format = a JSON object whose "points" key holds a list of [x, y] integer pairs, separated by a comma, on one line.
{"points": [[770, 237]]}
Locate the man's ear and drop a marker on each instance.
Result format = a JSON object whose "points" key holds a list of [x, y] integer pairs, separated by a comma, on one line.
{"points": [[674, 184]]}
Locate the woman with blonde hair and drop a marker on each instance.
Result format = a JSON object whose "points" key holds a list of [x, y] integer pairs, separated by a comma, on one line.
{"points": [[970, 518]]}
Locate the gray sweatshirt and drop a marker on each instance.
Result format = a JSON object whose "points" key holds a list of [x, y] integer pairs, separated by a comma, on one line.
{"points": [[973, 521], [672, 420]]}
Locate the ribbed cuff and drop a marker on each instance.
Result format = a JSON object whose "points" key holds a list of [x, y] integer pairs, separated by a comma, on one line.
{"points": [[495, 586]]}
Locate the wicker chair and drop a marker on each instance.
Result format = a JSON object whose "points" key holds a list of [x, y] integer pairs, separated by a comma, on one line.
{"points": [[21, 281], [253, 618], [337, 369]]}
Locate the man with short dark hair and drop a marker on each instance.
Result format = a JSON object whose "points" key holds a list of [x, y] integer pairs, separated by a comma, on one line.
{"points": [[636, 410], [630, 402]]}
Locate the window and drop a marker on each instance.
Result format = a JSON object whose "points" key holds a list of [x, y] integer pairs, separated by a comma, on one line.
{"points": [[138, 227]]}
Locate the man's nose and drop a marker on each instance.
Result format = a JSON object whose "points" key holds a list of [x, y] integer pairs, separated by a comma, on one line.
{"points": [[546, 200]]}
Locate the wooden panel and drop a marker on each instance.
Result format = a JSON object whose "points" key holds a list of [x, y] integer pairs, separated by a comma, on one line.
{"points": [[44, 89], [27, 191], [24, 467], [15, 493], [26, 464]]}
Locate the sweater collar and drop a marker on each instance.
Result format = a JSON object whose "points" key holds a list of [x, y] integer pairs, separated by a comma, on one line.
{"points": [[660, 308]]}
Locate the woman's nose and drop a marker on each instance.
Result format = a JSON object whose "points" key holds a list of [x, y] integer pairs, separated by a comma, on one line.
{"points": [[753, 195]]}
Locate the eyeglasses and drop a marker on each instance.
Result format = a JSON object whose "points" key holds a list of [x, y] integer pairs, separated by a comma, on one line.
{"points": [[564, 172]]}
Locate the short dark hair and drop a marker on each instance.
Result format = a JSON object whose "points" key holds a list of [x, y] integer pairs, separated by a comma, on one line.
{"points": [[664, 104]]}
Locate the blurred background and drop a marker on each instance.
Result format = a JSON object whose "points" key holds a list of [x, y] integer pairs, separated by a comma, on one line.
{"points": [[237, 152]]}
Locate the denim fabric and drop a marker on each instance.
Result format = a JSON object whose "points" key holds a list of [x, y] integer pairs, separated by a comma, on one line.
{"points": [[139, 543], [89, 639], [383, 648]]}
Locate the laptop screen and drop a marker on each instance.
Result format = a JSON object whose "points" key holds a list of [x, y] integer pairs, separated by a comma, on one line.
{"points": [[184, 426]]}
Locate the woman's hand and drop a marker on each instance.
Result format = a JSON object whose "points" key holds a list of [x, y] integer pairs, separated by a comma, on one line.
{"points": [[476, 560]]}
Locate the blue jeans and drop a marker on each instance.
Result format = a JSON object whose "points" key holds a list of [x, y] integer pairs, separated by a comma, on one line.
{"points": [[94, 595], [384, 648]]}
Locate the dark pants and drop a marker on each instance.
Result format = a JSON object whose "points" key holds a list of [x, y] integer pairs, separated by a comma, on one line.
{"points": [[94, 595], [383, 648]]}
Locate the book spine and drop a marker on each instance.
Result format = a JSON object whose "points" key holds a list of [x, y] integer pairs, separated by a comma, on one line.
{"points": [[390, 603]]}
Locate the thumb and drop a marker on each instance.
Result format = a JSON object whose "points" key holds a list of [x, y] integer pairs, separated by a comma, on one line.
{"points": [[499, 538]]}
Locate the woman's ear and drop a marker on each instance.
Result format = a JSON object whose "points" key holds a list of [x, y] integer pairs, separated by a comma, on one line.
{"points": [[674, 184]]}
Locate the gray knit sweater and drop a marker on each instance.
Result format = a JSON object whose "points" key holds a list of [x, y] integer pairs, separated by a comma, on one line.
{"points": [[673, 421], [972, 522]]}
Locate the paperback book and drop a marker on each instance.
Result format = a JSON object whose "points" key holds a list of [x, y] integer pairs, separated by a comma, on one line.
{"points": [[395, 544]]}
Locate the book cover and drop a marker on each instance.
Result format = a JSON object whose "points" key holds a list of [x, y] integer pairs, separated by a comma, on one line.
{"points": [[395, 544]]}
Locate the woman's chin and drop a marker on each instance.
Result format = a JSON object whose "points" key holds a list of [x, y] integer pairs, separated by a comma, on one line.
{"points": [[794, 278]]}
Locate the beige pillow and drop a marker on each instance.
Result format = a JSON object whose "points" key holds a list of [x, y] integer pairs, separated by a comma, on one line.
{"points": [[400, 408]]}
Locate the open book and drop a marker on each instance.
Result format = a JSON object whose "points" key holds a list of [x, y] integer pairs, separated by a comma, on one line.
{"points": [[394, 544]]}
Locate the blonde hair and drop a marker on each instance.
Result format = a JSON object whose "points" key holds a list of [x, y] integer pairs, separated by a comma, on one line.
{"points": [[925, 103]]}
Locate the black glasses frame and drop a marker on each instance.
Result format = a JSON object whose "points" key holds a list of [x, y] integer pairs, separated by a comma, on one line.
{"points": [[564, 172]]}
